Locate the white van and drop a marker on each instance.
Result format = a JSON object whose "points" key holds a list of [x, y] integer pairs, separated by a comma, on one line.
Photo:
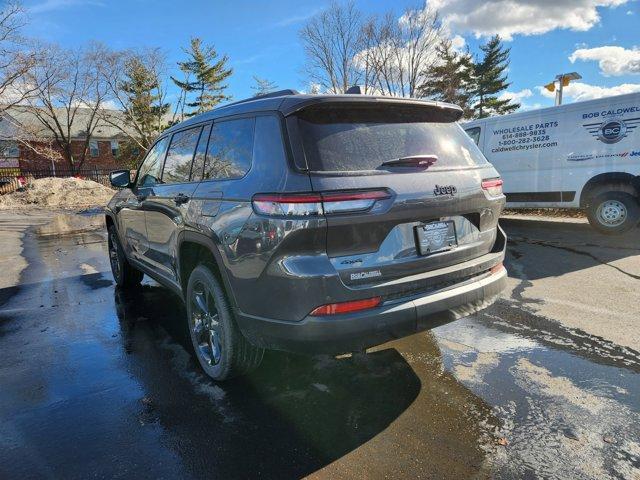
{"points": [[580, 155]]}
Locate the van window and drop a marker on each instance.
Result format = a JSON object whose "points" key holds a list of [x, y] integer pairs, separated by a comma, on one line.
{"points": [[177, 167], [151, 168], [230, 149], [362, 138], [474, 133]]}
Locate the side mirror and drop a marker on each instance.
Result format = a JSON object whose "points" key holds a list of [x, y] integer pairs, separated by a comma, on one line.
{"points": [[120, 178]]}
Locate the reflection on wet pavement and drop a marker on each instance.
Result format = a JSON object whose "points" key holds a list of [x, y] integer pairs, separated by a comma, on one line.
{"points": [[97, 382]]}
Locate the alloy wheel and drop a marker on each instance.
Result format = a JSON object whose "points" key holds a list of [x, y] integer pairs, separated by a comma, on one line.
{"points": [[114, 259], [205, 325]]}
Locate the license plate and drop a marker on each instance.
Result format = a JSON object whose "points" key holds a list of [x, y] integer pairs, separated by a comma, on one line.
{"points": [[436, 237]]}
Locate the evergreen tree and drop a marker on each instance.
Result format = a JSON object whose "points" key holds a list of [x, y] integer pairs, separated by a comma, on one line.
{"points": [[451, 79], [491, 79], [208, 75], [143, 106], [263, 86]]}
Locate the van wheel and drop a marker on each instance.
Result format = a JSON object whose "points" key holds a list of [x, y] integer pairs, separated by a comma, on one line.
{"points": [[124, 274], [220, 347], [613, 212]]}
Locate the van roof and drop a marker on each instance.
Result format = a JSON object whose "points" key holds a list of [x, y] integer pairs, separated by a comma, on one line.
{"points": [[290, 102], [567, 106]]}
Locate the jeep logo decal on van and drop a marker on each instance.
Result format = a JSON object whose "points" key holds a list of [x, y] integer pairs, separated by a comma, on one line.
{"points": [[445, 190], [612, 130]]}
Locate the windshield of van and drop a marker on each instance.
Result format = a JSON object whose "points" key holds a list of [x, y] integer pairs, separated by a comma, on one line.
{"points": [[360, 139]]}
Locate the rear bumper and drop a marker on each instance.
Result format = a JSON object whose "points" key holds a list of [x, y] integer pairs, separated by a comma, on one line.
{"points": [[357, 331]]}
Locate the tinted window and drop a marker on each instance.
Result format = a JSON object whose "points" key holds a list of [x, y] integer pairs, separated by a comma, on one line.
{"points": [[362, 138], [201, 153], [230, 149], [151, 168], [474, 133], [177, 167]]}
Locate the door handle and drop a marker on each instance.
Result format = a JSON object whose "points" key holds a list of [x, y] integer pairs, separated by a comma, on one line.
{"points": [[180, 199]]}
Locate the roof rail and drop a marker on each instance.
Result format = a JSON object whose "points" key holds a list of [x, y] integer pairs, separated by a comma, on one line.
{"points": [[279, 93]]}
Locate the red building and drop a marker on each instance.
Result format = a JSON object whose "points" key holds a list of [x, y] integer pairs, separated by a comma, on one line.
{"points": [[27, 145]]}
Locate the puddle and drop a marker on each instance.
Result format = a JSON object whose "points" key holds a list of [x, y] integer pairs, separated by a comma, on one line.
{"points": [[71, 223]]}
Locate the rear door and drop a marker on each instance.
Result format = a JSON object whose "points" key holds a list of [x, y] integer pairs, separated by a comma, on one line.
{"points": [[167, 206], [432, 172]]}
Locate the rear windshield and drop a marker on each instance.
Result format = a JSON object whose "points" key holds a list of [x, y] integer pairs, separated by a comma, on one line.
{"points": [[362, 138]]}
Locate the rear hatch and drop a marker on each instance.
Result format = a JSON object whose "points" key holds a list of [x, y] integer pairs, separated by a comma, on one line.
{"points": [[419, 176]]}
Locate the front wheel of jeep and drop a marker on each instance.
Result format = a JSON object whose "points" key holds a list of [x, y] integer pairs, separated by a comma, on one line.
{"points": [[124, 274]]}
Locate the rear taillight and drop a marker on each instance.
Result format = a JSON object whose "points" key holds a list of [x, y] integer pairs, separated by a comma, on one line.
{"points": [[346, 307], [493, 186], [343, 202], [312, 204], [288, 205]]}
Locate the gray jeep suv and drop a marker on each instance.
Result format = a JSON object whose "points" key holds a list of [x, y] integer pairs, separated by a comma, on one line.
{"points": [[311, 223]]}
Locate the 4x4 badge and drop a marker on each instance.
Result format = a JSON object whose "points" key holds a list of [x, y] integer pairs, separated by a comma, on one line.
{"points": [[445, 190]]}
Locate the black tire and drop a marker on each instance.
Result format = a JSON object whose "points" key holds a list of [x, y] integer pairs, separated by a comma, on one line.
{"points": [[613, 212], [124, 274], [218, 343]]}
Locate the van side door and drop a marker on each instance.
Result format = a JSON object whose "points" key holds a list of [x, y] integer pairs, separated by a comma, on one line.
{"points": [[168, 206], [528, 155]]}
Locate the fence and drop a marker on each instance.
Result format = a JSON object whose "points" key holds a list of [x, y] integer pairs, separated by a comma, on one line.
{"points": [[14, 178]]}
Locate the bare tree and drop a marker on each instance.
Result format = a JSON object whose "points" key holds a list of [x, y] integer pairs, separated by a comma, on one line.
{"points": [[263, 86], [70, 91], [331, 41], [16, 58], [135, 82], [400, 52]]}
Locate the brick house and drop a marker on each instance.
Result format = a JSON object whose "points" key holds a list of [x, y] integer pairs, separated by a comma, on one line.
{"points": [[103, 151]]}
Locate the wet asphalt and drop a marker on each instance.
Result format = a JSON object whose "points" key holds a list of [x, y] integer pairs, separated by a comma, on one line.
{"points": [[99, 383]]}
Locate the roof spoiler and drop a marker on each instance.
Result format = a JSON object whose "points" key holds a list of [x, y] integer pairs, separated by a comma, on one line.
{"points": [[428, 110], [279, 93]]}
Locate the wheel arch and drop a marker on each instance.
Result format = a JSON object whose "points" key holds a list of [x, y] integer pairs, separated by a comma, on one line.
{"points": [[192, 249], [621, 181], [109, 220]]}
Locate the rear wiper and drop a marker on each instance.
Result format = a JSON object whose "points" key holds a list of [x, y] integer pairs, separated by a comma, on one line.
{"points": [[414, 161]]}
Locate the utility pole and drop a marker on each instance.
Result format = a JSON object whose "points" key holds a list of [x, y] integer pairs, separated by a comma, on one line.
{"points": [[563, 80]]}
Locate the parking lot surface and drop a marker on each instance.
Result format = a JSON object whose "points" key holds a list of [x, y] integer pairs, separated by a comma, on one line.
{"points": [[99, 383]]}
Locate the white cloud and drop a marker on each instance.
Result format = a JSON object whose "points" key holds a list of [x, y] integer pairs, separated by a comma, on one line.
{"points": [[579, 91], [514, 17], [458, 42], [294, 19], [111, 105], [612, 60], [51, 5], [520, 97], [516, 96]]}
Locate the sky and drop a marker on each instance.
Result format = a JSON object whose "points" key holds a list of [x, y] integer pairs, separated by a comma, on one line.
{"points": [[597, 38]]}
